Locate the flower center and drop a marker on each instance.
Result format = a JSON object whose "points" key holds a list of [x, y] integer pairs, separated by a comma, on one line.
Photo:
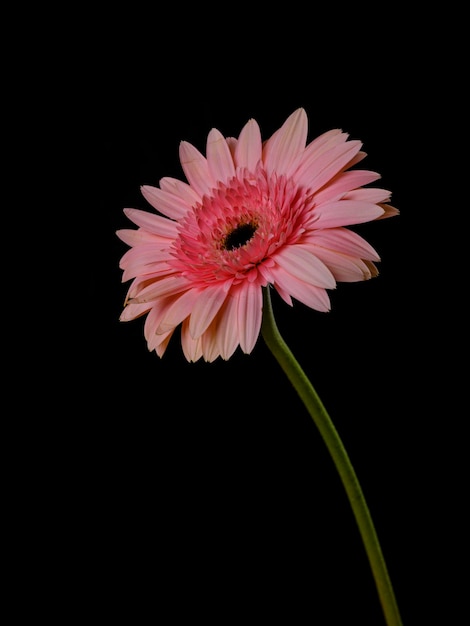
{"points": [[239, 236], [238, 227]]}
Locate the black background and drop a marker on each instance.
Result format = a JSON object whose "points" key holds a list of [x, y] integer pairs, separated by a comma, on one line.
{"points": [[204, 491]]}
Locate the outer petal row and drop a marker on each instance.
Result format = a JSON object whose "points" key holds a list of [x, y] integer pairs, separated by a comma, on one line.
{"points": [[302, 263], [314, 297], [344, 213], [196, 169], [237, 322], [171, 205], [343, 240], [283, 147], [153, 223], [248, 148], [219, 158], [319, 169]]}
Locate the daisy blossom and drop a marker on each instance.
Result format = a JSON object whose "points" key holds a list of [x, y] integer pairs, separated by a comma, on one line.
{"points": [[253, 213]]}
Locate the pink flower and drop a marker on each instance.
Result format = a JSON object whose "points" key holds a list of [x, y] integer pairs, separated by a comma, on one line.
{"points": [[252, 214]]}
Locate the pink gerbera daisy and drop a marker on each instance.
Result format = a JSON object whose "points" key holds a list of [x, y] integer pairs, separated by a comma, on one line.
{"points": [[252, 214]]}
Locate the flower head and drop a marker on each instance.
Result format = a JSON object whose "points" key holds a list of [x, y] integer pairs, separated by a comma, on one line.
{"points": [[252, 214]]}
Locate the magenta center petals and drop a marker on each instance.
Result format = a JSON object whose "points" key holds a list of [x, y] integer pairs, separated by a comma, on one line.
{"points": [[238, 227]]}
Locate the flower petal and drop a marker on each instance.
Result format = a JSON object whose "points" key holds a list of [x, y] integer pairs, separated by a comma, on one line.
{"points": [[196, 168], [227, 327], [314, 297], [219, 158], [302, 263], [132, 311], [192, 348], [345, 268], [281, 150], [249, 315], [370, 194], [344, 213], [170, 205], [163, 341], [344, 241], [316, 148], [343, 183], [181, 189], [248, 148], [210, 349], [152, 322], [179, 310], [166, 286], [206, 308], [145, 253], [389, 211], [152, 223], [141, 282], [134, 237], [316, 172], [143, 259]]}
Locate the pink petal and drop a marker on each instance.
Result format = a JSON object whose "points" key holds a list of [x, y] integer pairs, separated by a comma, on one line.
{"points": [[152, 320], [192, 348], [137, 265], [153, 338], [314, 297], [370, 194], [141, 282], [343, 213], [283, 293], [145, 253], [179, 310], [356, 159], [248, 149], [134, 237], [389, 211], [317, 147], [232, 144], [153, 223], [219, 158], [170, 205], [282, 148], [344, 268], [132, 311], [181, 189], [344, 182], [270, 278], [227, 327], [314, 173], [205, 309], [132, 256], [210, 350], [249, 315], [167, 286], [196, 168], [344, 241], [163, 342], [302, 263]]}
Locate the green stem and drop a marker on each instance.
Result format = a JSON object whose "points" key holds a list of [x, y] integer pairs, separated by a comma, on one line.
{"points": [[340, 457]]}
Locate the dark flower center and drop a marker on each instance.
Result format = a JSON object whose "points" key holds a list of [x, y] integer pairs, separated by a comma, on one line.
{"points": [[240, 236]]}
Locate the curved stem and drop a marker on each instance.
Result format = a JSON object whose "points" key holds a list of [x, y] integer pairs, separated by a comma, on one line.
{"points": [[315, 407]]}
